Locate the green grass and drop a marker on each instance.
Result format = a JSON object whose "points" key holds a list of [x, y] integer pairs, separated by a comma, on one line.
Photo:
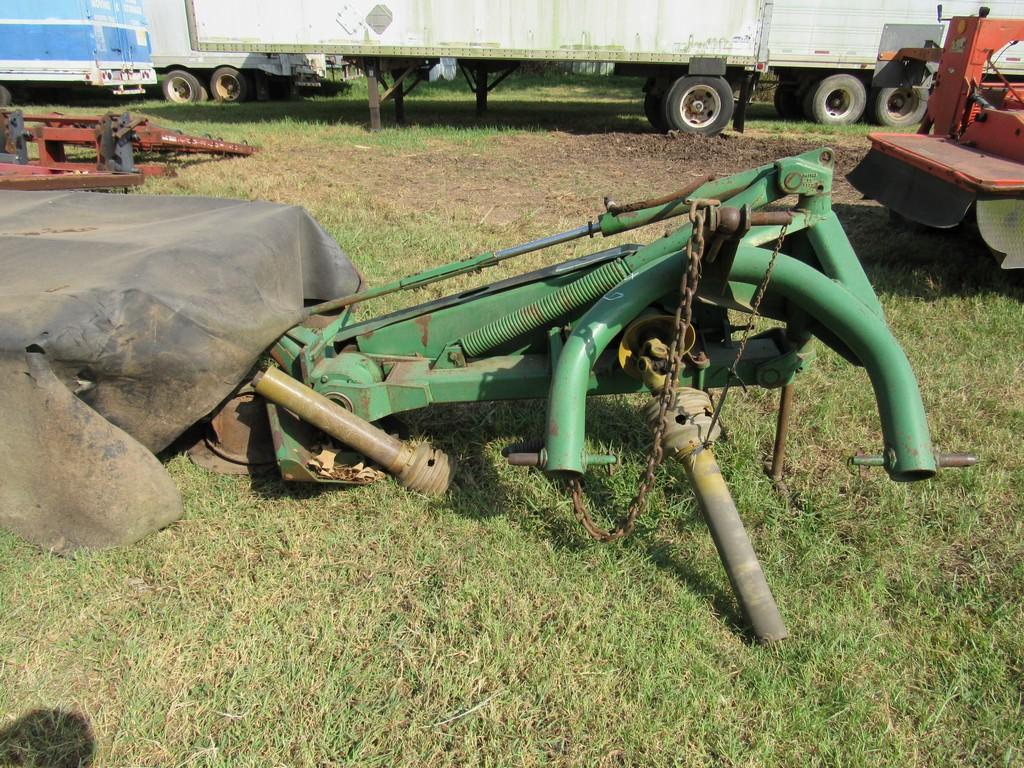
{"points": [[277, 625]]}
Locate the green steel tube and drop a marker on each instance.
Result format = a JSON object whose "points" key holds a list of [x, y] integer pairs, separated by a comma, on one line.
{"points": [[655, 270], [908, 448], [734, 547], [595, 330], [838, 260], [909, 454]]}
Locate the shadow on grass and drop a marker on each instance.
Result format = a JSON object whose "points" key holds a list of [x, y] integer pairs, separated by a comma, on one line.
{"points": [[597, 105], [48, 738], [905, 259], [480, 492], [578, 117]]}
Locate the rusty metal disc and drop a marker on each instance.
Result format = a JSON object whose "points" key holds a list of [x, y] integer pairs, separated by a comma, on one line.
{"points": [[237, 439]]}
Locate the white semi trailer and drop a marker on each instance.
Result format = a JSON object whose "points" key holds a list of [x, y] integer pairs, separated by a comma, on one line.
{"points": [[835, 59], [190, 75]]}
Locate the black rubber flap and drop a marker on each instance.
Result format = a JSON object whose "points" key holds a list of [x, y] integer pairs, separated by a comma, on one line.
{"points": [[150, 310], [910, 192]]}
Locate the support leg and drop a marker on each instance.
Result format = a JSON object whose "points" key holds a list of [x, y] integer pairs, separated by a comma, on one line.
{"points": [[399, 98], [781, 433], [739, 119], [481, 88], [372, 72]]}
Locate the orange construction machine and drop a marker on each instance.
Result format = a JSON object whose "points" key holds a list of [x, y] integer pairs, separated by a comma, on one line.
{"points": [[969, 149]]}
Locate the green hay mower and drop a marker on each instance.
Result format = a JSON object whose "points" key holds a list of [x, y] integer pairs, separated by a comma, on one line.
{"points": [[630, 319]]}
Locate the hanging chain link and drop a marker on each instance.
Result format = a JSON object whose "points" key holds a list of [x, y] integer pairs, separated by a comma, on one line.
{"points": [[755, 309], [688, 283]]}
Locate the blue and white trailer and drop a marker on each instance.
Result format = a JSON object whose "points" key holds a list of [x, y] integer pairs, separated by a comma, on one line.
{"points": [[102, 43]]}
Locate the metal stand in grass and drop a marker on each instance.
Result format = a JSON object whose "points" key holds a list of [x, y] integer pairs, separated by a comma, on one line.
{"points": [[629, 319]]}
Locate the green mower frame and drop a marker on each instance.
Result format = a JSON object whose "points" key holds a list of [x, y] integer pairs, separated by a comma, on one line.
{"points": [[593, 325]]}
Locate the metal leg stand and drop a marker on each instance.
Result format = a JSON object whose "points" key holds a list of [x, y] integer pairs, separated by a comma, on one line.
{"points": [[481, 88], [372, 71], [781, 433], [399, 97]]}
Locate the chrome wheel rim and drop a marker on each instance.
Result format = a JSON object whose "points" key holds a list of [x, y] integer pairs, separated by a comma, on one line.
{"points": [[180, 90], [838, 103], [700, 106], [901, 103]]}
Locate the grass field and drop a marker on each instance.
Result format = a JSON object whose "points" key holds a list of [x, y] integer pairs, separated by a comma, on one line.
{"points": [[277, 625]]}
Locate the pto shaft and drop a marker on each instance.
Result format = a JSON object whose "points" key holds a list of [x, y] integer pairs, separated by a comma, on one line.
{"points": [[734, 547], [422, 469]]}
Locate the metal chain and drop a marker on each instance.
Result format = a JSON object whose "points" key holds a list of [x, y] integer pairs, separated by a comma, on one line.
{"points": [[755, 307], [688, 283]]}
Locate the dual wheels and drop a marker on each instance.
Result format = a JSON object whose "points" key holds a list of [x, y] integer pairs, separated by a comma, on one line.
{"points": [[226, 84], [692, 104], [843, 99]]}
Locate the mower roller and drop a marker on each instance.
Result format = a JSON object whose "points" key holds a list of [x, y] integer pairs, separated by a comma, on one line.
{"points": [[629, 319], [969, 150]]}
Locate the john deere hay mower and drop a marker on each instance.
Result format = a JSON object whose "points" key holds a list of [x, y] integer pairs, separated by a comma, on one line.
{"points": [[316, 378]]}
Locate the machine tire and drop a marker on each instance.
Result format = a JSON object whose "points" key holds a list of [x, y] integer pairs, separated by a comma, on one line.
{"points": [[654, 109], [5, 96], [836, 100], [701, 105], [182, 87], [787, 101], [229, 86], [898, 107]]}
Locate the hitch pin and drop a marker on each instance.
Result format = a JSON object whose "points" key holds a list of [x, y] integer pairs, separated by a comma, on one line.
{"points": [[942, 460]]}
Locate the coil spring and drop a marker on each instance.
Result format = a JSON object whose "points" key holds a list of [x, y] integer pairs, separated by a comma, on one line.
{"points": [[590, 286]]}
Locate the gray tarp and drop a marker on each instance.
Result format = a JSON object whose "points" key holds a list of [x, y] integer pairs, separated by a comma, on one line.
{"points": [[149, 311]]}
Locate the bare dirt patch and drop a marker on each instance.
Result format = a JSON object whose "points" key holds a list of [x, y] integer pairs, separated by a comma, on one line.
{"points": [[553, 176]]}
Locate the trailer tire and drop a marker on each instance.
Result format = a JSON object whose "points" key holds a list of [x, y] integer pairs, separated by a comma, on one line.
{"points": [[787, 101], [654, 109], [5, 96], [898, 107], [702, 105], [836, 100], [182, 87], [229, 86]]}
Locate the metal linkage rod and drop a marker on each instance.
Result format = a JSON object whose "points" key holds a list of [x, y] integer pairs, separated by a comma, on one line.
{"points": [[453, 269]]}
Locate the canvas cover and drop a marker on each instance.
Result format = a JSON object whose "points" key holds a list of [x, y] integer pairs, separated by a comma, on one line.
{"points": [[124, 319]]}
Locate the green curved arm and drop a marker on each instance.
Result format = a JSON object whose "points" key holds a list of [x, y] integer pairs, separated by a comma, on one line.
{"points": [[909, 454], [908, 447]]}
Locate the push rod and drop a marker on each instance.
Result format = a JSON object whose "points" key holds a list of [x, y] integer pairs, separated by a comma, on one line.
{"points": [[607, 225], [454, 268]]}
